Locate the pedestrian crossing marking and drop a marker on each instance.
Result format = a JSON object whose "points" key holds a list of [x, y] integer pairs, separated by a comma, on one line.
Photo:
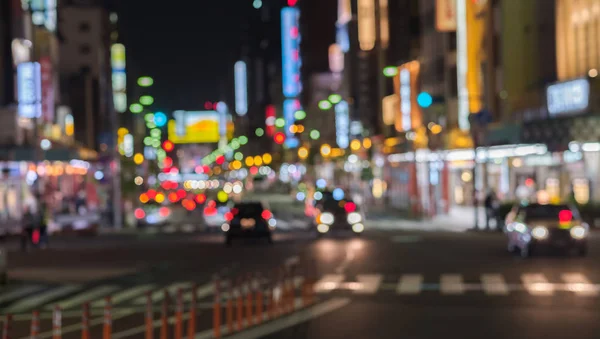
{"points": [[159, 295], [410, 284], [494, 284], [201, 292], [42, 298], [537, 284], [451, 284], [86, 296], [125, 295], [367, 283], [329, 282], [579, 284], [20, 292]]}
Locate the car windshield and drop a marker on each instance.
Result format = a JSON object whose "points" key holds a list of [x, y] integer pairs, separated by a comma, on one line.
{"points": [[539, 211], [246, 210]]}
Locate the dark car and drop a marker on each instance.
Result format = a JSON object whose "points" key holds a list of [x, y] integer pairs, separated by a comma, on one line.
{"points": [[249, 220], [333, 214], [535, 226]]}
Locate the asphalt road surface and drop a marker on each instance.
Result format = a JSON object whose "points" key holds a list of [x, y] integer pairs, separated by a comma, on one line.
{"points": [[384, 284]]}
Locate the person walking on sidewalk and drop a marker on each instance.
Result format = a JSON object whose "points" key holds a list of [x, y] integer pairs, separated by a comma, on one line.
{"points": [[492, 206], [28, 224]]}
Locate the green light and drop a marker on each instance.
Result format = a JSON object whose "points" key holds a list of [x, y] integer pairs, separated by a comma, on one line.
{"points": [[150, 124], [280, 122], [156, 143], [324, 105], [243, 139], [300, 115], [259, 132], [390, 71], [149, 117], [161, 153], [136, 108], [235, 144], [335, 98], [257, 4], [147, 141], [238, 156], [314, 134], [145, 81], [146, 100], [155, 133]]}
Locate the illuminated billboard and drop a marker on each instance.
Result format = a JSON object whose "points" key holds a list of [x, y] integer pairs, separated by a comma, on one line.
{"points": [[445, 15], [241, 88], [290, 106], [366, 24], [196, 127], [406, 87], [47, 89], [119, 77], [29, 88], [342, 125], [290, 48]]}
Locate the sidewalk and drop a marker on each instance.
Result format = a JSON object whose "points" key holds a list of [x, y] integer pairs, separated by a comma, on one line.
{"points": [[460, 219]]}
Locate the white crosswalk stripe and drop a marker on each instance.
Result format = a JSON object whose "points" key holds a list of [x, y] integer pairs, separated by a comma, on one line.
{"points": [[201, 292], [452, 284], [537, 284], [579, 284], [494, 284], [410, 284], [126, 295], [42, 298], [159, 295], [368, 283], [19, 292], [329, 282], [86, 296]]}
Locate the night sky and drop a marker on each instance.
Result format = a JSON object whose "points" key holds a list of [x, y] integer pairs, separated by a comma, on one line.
{"points": [[188, 46]]}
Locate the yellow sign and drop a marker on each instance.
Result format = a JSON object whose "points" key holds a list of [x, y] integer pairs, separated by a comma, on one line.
{"points": [[197, 127], [459, 139]]}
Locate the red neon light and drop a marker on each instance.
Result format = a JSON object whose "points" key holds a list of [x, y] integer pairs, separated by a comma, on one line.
{"points": [[565, 215]]}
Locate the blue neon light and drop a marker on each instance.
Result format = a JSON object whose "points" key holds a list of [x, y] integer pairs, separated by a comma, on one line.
{"points": [[290, 106], [290, 48], [29, 89], [424, 99]]}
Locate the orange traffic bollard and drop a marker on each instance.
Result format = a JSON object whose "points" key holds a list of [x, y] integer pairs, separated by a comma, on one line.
{"points": [[85, 321], [35, 325], [179, 315], [107, 330], [259, 299], [229, 311], [7, 327], [217, 311], [239, 307], [164, 317], [193, 306], [249, 300], [149, 316], [57, 323]]}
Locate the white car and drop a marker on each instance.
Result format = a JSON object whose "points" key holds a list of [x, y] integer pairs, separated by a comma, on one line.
{"points": [[3, 266]]}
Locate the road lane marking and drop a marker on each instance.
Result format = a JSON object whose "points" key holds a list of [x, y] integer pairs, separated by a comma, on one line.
{"points": [[328, 283], [452, 284], [159, 295], [42, 298], [537, 284], [366, 283], [281, 324], [410, 284], [201, 292], [494, 284], [20, 292], [91, 294], [125, 295], [579, 284]]}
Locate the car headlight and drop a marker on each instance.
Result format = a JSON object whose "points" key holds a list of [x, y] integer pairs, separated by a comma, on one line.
{"points": [[358, 228], [539, 232], [322, 228], [578, 232], [521, 228], [354, 218], [225, 227], [326, 218]]}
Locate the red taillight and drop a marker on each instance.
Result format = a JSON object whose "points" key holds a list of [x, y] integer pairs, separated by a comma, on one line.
{"points": [[35, 237], [139, 213], [210, 211], [164, 211], [200, 198], [181, 193], [173, 197], [151, 194], [565, 215], [228, 216], [350, 207], [266, 214]]}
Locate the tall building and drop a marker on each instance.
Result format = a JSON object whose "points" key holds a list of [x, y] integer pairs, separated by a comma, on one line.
{"points": [[85, 68]]}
